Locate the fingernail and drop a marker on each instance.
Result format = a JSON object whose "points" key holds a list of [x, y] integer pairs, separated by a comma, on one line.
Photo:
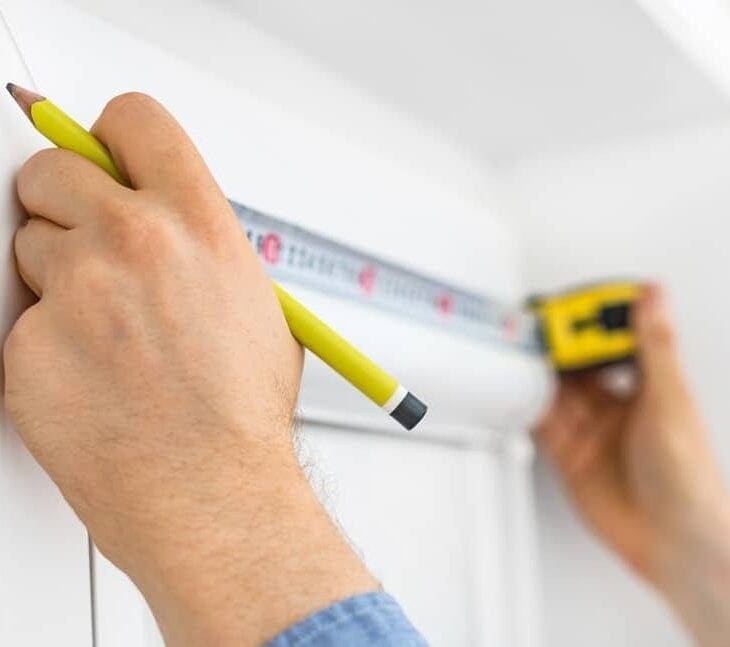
{"points": [[654, 303], [652, 293], [654, 321]]}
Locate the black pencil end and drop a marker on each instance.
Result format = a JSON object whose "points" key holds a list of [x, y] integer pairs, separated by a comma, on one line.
{"points": [[410, 411], [10, 87]]}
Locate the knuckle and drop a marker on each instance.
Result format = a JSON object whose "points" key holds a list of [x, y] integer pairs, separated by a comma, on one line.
{"points": [[14, 342], [141, 240], [34, 170], [25, 234], [87, 277], [214, 225], [216, 234], [103, 309], [79, 275], [21, 238], [20, 338], [29, 246], [22, 241], [110, 204], [124, 104], [40, 160]]}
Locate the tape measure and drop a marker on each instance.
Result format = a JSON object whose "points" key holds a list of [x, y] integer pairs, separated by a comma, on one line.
{"points": [[292, 254], [583, 328]]}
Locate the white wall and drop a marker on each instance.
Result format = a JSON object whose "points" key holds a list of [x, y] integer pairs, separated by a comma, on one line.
{"points": [[660, 208], [643, 208], [402, 170]]}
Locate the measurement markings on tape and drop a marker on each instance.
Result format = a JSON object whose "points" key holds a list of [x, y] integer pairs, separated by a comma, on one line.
{"points": [[294, 255]]}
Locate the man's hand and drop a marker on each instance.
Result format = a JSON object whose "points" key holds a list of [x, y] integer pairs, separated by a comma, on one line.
{"points": [[640, 472], [155, 381]]}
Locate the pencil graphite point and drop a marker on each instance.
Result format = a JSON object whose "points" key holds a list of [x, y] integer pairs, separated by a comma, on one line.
{"points": [[24, 98]]}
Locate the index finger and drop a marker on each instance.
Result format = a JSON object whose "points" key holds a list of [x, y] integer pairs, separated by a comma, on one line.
{"points": [[149, 146]]}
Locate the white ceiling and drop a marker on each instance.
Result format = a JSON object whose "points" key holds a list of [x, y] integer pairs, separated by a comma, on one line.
{"points": [[505, 79]]}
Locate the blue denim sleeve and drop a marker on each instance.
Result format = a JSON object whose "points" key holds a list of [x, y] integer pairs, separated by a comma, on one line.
{"points": [[368, 620]]}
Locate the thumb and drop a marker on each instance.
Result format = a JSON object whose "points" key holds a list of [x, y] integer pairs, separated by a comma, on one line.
{"points": [[657, 349]]}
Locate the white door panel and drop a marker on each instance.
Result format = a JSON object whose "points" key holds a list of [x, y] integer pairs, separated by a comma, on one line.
{"points": [[419, 514]]}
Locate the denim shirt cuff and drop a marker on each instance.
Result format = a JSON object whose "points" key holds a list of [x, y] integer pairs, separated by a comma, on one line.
{"points": [[367, 620]]}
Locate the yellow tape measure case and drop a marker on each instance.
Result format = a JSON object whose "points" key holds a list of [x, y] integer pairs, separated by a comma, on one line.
{"points": [[588, 327]]}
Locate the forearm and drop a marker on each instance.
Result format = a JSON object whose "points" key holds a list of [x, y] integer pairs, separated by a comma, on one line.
{"points": [[269, 558], [694, 575]]}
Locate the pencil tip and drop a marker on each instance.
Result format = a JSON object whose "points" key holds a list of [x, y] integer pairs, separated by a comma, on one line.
{"points": [[24, 98]]}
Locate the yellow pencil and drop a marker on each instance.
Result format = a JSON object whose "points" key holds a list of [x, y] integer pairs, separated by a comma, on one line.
{"points": [[383, 389]]}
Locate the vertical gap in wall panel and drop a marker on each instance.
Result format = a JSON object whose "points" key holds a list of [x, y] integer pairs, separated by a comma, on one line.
{"points": [[92, 591], [473, 538]]}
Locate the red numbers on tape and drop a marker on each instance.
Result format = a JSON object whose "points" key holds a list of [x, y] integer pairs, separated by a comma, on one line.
{"points": [[445, 304], [271, 248], [367, 278]]}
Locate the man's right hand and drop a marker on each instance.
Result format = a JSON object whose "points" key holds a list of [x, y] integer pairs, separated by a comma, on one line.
{"points": [[155, 381], [640, 472]]}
